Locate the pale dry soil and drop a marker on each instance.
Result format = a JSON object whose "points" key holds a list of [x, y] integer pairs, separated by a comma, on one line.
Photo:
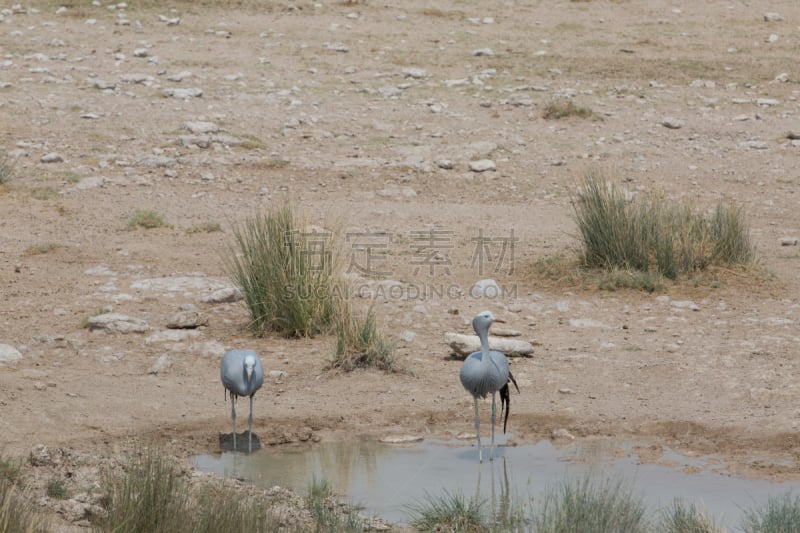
{"points": [[341, 134]]}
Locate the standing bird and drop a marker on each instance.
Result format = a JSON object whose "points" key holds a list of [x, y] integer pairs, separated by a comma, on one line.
{"points": [[487, 372], [242, 375]]}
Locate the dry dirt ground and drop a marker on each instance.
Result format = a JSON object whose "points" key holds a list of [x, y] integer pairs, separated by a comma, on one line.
{"points": [[368, 115]]}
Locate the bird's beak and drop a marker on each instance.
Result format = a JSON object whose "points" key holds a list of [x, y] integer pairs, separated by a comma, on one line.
{"points": [[500, 320], [249, 375]]}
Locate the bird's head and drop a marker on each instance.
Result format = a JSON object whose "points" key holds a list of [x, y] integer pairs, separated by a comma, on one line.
{"points": [[484, 319], [249, 365]]}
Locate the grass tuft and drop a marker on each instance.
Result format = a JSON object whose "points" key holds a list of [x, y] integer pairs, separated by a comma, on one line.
{"points": [[328, 513], [205, 227], [651, 234], [681, 517], [288, 276], [449, 512], [151, 495], [588, 505], [147, 219], [57, 489], [7, 170], [563, 108], [359, 343], [781, 514], [18, 514], [42, 248]]}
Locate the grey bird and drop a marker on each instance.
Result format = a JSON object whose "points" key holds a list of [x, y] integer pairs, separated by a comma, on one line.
{"points": [[486, 372], [242, 375]]}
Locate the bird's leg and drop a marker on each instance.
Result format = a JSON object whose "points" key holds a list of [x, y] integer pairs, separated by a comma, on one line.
{"points": [[478, 430], [233, 419], [494, 413], [250, 428]]}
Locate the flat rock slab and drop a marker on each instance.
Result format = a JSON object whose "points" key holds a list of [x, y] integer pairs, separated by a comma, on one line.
{"points": [[463, 345], [118, 323]]}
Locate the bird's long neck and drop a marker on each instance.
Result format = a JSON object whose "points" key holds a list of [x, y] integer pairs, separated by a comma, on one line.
{"points": [[483, 335]]}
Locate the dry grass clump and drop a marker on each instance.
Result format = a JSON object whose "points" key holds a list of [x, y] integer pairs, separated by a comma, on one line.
{"points": [[147, 219], [649, 233], [293, 284], [565, 107]]}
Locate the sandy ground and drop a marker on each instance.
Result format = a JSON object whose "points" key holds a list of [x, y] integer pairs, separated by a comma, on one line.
{"points": [[368, 115]]}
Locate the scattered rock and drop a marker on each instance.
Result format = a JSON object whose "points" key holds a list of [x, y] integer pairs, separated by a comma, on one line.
{"points": [[485, 288], [463, 345], [416, 73], [500, 331], [117, 323], [672, 123], [52, 157], [407, 336], [228, 294], [587, 323], [39, 455], [773, 17], [483, 52], [179, 92], [277, 375], [162, 364], [157, 161], [566, 390], [8, 353], [685, 304], [562, 434], [789, 241], [482, 165], [754, 145], [172, 335], [401, 439], [200, 127], [187, 320]]}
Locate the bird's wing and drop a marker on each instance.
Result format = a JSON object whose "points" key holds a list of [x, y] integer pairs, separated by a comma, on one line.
{"points": [[231, 372]]}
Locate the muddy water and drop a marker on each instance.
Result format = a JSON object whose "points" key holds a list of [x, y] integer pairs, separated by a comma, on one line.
{"points": [[386, 478]]}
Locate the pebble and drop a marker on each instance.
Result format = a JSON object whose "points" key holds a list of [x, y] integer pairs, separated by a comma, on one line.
{"points": [[415, 73], [187, 320], [485, 288], [39, 455], [483, 52], [685, 304], [672, 123], [562, 433], [587, 323], [162, 364], [228, 294], [482, 165], [401, 439], [179, 92], [172, 335], [407, 336], [52, 157], [200, 127], [789, 241], [8, 353], [773, 17]]}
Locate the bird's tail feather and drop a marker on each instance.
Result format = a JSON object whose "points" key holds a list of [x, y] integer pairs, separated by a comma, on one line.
{"points": [[505, 399]]}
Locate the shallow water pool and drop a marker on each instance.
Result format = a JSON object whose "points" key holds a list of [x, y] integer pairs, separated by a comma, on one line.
{"points": [[386, 478]]}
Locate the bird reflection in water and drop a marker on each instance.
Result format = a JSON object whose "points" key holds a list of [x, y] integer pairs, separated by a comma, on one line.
{"points": [[500, 504]]}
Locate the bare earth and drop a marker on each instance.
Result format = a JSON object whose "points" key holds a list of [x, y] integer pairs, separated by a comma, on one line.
{"points": [[356, 111]]}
